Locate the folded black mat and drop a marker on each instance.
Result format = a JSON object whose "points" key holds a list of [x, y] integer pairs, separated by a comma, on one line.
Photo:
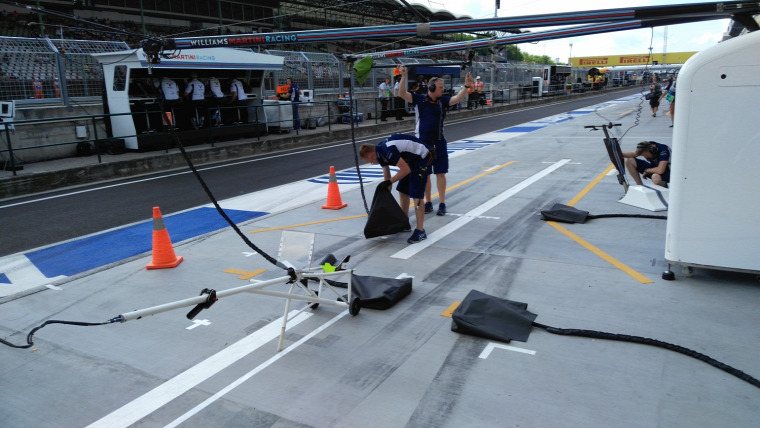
{"points": [[376, 292], [564, 214], [487, 316]]}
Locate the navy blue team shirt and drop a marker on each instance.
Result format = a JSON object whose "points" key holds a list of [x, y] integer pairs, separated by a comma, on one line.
{"points": [[415, 154]]}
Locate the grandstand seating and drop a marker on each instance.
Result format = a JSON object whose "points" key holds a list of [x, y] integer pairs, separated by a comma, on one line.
{"points": [[24, 60]]}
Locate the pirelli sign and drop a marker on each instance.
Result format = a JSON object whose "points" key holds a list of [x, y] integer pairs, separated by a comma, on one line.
{"points": [[632, 59]]}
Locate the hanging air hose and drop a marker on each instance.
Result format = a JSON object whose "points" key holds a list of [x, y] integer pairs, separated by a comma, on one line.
{"points": [[353, 137], [219, 209], [224, 215]]}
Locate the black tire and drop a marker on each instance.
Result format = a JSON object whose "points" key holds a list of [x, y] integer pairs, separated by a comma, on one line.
{"points": [[355, 306]]}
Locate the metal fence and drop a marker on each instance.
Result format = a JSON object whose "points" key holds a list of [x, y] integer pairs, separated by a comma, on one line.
{"points": [[45, 70], [318, 71], [35, 70]]}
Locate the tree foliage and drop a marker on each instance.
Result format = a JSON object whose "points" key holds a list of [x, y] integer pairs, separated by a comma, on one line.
{"points": [[505, 52]]}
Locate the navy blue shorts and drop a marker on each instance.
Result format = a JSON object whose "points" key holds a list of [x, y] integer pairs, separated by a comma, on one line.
{"points": [[441, 162], [414, 183], [642, 165]]}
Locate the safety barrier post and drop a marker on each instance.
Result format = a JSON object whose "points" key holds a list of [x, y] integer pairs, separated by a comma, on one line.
{"points": [[95, 134], [329, 116], [10, 149], [294, 105], [256, 116]]}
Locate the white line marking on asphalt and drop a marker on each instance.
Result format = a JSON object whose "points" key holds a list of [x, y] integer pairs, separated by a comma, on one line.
{"points": [[197, 323], [491, 346], [190, 378], [253, 372], [439, 234], [480, 216]]}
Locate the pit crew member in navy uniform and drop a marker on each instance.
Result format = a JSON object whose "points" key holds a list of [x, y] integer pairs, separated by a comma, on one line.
{"points": [[655, 165], [430, 112], [295, 98], [413, 159]]}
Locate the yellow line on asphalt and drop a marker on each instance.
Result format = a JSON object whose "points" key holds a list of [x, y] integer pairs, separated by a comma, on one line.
{"points": [[625, 113], [365, 215], [604, 256], [476, 177], [245, 274], [309, 223], [450, 310], [590, 186]]}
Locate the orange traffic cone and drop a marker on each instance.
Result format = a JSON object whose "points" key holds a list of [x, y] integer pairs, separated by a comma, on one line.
{"points": [[333, 194], [163, 252]]}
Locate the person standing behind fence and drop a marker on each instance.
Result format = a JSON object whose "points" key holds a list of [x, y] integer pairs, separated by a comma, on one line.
{"points": [[430, 112], [670, 95], [421, 86], [196, 90], [384, 93], [217, 99], [295, 98], [240, 99], [477, 88], [654, 95], [399, 108], [37, 86], [170, 95]]}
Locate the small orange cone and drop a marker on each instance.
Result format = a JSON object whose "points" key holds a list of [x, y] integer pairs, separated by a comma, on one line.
{"points": [[333, 194], [163, 252], [169, 119]]}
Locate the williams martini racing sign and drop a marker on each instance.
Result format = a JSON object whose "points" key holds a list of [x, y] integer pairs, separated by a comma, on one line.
{"points": [[236, 41]]}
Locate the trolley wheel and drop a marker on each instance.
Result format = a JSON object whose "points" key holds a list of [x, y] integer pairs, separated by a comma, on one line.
{"points": [[355, 306], [313, 305], [687, 271]]}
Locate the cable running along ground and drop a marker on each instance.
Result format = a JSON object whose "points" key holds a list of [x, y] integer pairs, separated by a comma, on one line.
{"points": [[593, 334], [30, 342]]}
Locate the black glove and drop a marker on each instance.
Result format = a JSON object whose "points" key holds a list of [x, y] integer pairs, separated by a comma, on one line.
{"points": [[387, 183]]}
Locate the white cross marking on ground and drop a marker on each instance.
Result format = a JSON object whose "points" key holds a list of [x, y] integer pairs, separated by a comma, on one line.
{"points": [[196, 323]]}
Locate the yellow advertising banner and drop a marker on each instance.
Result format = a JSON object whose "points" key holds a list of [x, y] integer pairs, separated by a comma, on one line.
{"points": [[631, 59]]}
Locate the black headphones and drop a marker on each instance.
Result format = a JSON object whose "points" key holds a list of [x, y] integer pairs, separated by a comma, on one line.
{"points": [[431, 86], [648, 145]]}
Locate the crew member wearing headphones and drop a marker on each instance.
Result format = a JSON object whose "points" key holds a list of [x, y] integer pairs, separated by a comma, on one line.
{"points": [[655, 165], [429, 112]]}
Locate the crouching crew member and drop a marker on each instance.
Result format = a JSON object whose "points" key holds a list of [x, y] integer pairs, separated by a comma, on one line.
{"points": [[413, 159], [655, 165]]}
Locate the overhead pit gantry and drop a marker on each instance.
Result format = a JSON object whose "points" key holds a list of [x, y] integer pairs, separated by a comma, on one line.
{"points": [[602, 21]]}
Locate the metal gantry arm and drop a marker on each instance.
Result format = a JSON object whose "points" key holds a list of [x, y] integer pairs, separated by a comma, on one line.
{"points": [[627, 18]]}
